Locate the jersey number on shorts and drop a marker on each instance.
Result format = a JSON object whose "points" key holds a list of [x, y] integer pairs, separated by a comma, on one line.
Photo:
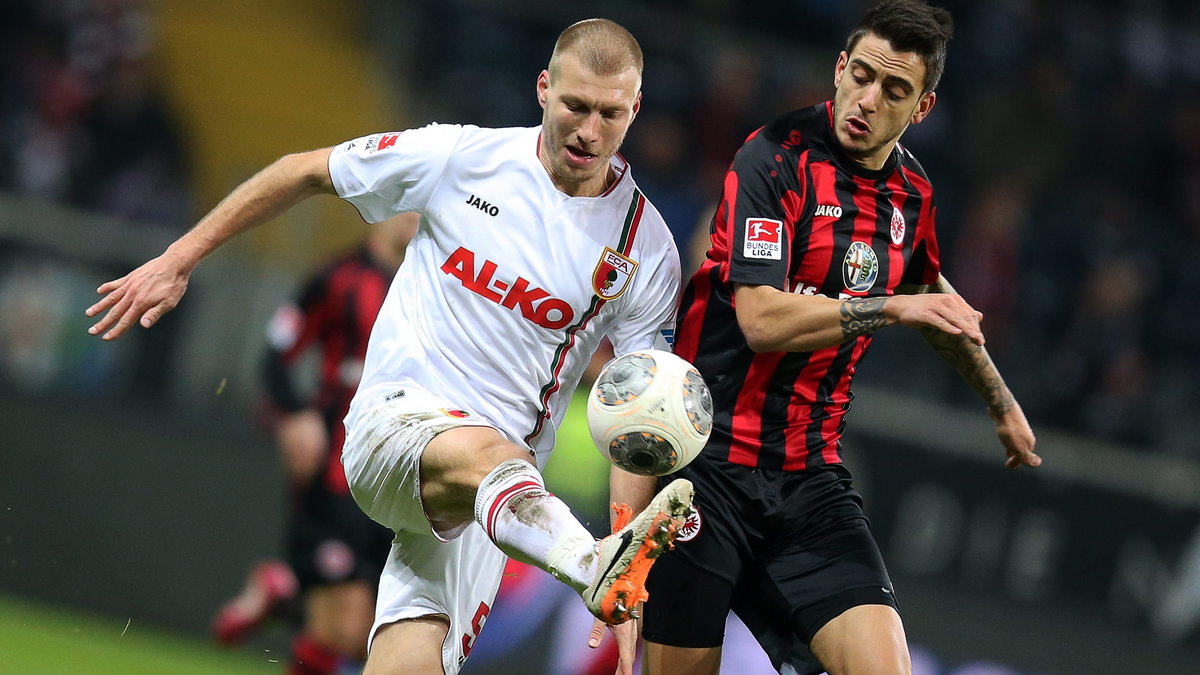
{"points": [[468, 639]]}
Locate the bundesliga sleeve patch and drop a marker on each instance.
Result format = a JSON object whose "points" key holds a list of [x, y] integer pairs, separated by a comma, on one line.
{"points": [[764, 239], [377, 142]]}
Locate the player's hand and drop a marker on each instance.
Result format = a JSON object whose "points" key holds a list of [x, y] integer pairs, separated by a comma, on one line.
{"points": [[144, 295], [1017, 437], [627, 635], [947, 312], [303, 441]]}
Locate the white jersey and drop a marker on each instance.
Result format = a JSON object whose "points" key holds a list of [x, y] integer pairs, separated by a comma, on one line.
{"points": [[510, 284]]}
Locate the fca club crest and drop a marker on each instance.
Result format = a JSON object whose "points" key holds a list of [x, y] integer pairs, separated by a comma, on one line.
{"points": [[860, 267], [612, 274]]}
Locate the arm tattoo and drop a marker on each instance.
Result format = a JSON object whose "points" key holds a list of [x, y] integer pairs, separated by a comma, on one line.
{"points": [[861, 316], [974, 365]]}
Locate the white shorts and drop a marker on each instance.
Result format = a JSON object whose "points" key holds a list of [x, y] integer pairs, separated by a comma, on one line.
{"points": [[382, 455], [453, 573], [456, 579]]}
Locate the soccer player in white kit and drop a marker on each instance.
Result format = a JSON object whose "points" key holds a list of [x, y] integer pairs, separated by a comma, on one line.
{"points": [[534, 244]]}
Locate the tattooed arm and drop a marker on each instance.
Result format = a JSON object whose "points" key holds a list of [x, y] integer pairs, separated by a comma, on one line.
{"points": [[975, 366], [773, 320]]}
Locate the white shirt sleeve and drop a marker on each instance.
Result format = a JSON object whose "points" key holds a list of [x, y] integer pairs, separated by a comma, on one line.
{"points": [[390, 173], [650, 322]]}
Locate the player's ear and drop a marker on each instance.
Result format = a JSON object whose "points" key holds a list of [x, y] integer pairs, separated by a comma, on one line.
{"points": [[839, 68], [543, 88], [637, 105], [924, 106]]}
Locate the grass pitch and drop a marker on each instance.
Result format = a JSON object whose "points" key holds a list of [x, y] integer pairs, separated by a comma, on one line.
{"points": [[39, 639]]}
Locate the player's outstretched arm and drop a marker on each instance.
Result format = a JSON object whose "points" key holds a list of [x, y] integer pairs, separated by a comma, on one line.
{"points": [[153, 289], [973, 363], [773, 320]]}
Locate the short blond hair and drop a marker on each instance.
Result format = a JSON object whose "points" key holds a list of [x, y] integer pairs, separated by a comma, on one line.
{"points": [[604, 47]]}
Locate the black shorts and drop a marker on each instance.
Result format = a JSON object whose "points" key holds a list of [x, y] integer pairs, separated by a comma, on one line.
{"points": [[787, 551], [330, 539]]}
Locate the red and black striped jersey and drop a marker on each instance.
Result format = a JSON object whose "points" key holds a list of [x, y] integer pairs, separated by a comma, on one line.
{"points": [[334, 314], [798, 215]]}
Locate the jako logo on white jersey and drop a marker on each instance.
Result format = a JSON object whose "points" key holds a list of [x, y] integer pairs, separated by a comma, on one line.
{"points": [[534, 304], [490, 209]]}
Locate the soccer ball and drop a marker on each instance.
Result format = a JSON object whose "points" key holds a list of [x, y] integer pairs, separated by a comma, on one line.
{"points": [[650, 412]]}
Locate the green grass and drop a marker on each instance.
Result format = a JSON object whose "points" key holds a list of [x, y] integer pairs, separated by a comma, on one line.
{"points": [[37, 639]]}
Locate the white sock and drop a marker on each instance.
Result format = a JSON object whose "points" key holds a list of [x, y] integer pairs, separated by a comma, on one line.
{"points": [[533, 526]]}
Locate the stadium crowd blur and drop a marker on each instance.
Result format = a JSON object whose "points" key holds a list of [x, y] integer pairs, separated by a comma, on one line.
{"points": [[1065, 147], [81, 121]]}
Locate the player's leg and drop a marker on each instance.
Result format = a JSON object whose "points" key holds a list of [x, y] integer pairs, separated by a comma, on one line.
{"points": [[683, 625], [416, 462], [434, 593], [829, 602], [434, 599], [409, 646], [691, 590], [863, 640], [456, 462], [477, 466], [340, 616], [666, 660], [337, 554], [474, 473]]}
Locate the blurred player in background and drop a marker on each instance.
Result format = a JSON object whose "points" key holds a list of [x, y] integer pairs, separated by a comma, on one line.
{"points": [[534, 244], [824, 234], [335, 552]]}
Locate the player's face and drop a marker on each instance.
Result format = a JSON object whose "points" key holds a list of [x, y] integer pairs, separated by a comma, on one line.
{"points": [[584, 120], [878, 96]]}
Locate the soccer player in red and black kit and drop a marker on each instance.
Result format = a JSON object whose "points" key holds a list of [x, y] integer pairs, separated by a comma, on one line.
{"points": [[824, 234], [335, 551]]}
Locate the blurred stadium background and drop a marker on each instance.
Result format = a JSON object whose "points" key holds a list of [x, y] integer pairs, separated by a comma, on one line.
{"points": [[136, 481]]}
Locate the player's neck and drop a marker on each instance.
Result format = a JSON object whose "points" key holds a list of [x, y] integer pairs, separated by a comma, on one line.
{"points": [[593, 187], [874, 161]]}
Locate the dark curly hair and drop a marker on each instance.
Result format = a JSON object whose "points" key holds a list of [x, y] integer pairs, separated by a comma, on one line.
{"points": [[910, 26]]}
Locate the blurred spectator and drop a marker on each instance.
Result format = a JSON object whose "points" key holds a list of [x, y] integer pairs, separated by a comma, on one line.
{"points": [[134, 164], [1100, 372], [83, 122], [985, 259], [660, 150]]}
